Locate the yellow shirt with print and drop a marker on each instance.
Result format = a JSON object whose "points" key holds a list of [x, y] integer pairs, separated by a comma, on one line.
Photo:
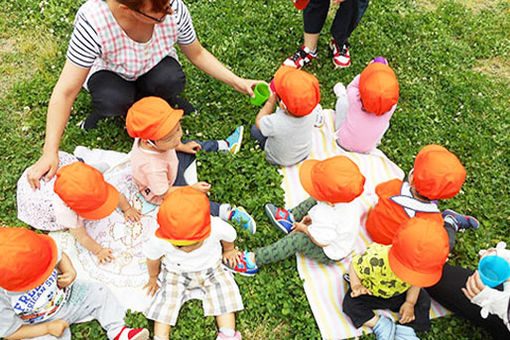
{"points": [[374, 271]]}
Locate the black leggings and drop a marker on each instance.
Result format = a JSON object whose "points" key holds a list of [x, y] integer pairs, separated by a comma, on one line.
{"points": [[448, 293], [112, 95], [346, 18]]}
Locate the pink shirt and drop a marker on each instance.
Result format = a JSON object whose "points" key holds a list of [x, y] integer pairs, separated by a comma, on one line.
{"points": [[153, 172], [361, 130]]}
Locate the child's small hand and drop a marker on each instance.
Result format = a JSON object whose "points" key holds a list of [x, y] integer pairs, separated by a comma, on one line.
{"points": [[202, 186], [190, 147], [152, 286], [359, 289], [272, 97], [307, 220], [56, 327], [66, 278], [132, 214], [232, 257], [406, 312], [105, 255], [299, 227]]}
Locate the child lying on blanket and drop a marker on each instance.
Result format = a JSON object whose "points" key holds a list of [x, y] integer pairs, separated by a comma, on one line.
{"points": [[159, 158], [79, 192], [364, 110], [39, 296], [330, 230], [191, 245], [437, 174], [286, 135], [390, 277]]}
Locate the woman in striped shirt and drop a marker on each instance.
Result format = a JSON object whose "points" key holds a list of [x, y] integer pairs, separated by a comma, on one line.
{"points": [[120, 51]]}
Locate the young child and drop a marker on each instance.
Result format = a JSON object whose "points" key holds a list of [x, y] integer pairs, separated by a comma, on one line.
{"points": [[437, 174], [78, 193], [390, 277], [40, 298], [364, 110], [328, 233], [190, 245], [286, 135], [159, 158]]}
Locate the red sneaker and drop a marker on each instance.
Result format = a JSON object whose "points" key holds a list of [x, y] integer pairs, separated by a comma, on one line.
{"points": [[133, 334], [302, 57], [341, 56]]}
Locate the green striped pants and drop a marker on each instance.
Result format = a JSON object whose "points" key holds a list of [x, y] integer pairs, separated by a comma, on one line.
{"points": [[292, 243]]}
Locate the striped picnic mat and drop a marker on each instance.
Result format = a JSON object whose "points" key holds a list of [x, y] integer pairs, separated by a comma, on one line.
{"points": [[323, 284]]}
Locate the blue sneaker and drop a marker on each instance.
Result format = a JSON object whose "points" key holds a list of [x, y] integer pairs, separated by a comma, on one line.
{"points": [[384, 329], [244, 267], [239, 215], [460, 222], [405, 333], [235, 139], [280, 218]]}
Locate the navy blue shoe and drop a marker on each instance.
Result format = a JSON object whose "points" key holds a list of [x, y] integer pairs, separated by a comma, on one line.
{"points": [[460, 222]]}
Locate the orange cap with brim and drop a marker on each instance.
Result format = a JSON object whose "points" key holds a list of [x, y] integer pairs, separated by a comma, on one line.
{"points": [[184, 217], [378, 88], [151, 118], [438, 173], [84, 190], [27, 258], [419, 251], [298, 90], [335, 180], [300, 4]]}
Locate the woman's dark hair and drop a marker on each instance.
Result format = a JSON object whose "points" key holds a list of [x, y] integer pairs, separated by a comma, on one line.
{"points": [[157, 5]]}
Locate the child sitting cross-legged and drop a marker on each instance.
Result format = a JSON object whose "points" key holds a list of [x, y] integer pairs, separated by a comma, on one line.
{"points": [[159, 158], [286, 135], [328, 233], [390, 277], [40, 298], [184, 254]]}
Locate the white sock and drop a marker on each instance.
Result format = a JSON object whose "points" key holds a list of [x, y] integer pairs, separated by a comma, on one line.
{"points": [[159, 338], [222, 145], [226, 331], [225, 210]]}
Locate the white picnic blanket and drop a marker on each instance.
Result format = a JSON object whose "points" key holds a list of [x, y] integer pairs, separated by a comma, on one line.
{"points": [[324, 285]]}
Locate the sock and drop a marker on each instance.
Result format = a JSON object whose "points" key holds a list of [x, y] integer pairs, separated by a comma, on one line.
{"points": [[225, 211], [222, 145], [158, 338], [227, 331]]}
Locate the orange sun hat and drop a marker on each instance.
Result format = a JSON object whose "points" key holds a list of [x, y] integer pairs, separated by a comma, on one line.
{"points": [[27, 259], [335, 180], [378, 88], [419, 252], [151, 118], [438, 173], [298, 90], [84, 190], [184, 217], [300, 4]]}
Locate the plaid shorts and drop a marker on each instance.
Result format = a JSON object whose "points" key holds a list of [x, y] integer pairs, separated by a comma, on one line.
{"points": [[221, 294]]}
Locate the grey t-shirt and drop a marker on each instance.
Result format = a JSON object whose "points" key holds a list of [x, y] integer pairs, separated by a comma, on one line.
{"points": [[289, 138]]}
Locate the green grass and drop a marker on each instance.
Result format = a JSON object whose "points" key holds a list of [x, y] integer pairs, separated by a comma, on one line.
{"points": [[437, 49]]}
